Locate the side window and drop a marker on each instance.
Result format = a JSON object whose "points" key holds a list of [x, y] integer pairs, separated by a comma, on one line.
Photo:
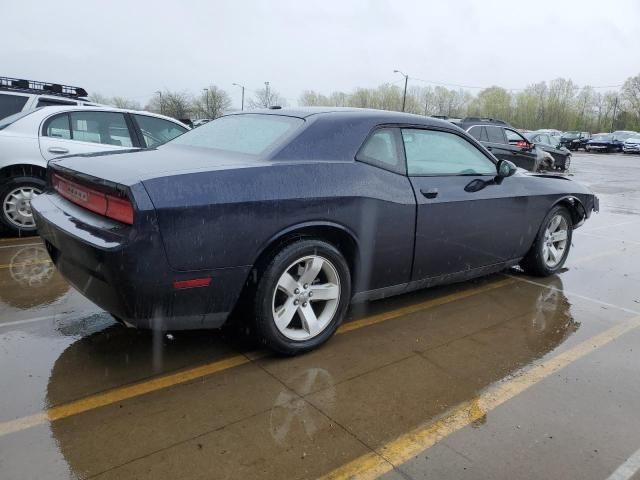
{"points": [[495, 134], [381, 150], [156, 130], [514, 137], [51, 102], [10, 104], [479, 133], [431, 152], [58, 127], [108, 128]]}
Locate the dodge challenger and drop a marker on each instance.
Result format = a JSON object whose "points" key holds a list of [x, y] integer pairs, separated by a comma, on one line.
{"points": [[294, 214]]}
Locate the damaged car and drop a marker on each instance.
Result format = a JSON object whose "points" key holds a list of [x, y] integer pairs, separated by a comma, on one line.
{"points": [[290, 215]]}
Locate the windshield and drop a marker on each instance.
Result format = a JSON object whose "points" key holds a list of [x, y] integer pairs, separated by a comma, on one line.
{"points": [[622, 135], [250, 134], [602, 136], [571, 134]]}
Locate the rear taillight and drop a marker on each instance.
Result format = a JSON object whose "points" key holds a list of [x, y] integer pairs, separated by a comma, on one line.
{"points": [[111, 206]]}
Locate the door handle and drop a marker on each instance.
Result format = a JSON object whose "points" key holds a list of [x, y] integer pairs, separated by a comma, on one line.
{"points": [[429, 192], [58, 150], [488, 148]]}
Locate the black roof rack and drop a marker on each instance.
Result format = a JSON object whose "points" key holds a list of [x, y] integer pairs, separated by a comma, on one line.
{"points": [[485, 120], [32, 86]]}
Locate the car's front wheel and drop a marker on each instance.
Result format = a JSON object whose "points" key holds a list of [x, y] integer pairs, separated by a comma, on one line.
{"points": [[551, 246], [15, 197], [302, 297]]}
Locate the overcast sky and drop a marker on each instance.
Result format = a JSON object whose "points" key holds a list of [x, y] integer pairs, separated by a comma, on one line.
{"points": [[133, 48]]}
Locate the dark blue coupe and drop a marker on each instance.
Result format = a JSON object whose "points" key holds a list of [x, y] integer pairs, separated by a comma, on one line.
{"points": [[294, 214]]}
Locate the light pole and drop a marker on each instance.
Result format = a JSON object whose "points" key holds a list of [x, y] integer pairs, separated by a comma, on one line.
{"points": [[404, 95], [242, 87], [266, 86], [206, 92], [160, 93]]}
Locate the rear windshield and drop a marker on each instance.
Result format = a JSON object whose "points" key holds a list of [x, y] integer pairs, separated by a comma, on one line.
{"points": [[11, 104], [251, 134], [5, 122]]}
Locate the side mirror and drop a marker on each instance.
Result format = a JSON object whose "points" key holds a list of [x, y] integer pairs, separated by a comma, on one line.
{"points": [[505, 168]]}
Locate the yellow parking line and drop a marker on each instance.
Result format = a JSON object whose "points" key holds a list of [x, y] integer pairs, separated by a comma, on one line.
{"points": [[159, 383], [119, 394], [400, 312], [408, 445], [19, 239], [123, 393]]}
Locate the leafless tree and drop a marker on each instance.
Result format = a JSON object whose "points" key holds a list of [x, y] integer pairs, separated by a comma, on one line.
{"points": [[122, 102], [631, 96], [213, 102], [173, 104], [265, 98]]}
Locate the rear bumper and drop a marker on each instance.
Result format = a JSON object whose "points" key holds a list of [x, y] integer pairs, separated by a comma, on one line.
{"points": [[125, 270]]}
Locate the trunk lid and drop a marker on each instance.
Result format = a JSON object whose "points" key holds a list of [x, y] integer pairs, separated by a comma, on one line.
{"points": [[129, 167]]}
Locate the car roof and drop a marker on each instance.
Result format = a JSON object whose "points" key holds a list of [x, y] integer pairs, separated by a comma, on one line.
{"points": [[351, 113], [46, 111]]}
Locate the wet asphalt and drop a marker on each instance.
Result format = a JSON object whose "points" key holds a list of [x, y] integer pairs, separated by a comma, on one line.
{"points": [[504, 377]]}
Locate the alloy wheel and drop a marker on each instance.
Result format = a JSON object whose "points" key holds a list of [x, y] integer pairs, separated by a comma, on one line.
{"points": [[555, 241], [306, 298], [17, 206]]}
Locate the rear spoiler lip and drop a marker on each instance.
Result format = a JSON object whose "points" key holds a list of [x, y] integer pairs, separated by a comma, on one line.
{"points": [[107, 185]]}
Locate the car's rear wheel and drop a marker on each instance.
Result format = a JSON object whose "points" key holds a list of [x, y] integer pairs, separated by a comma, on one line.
{"points": [[551, 246], [302, 297], [15, 198]]}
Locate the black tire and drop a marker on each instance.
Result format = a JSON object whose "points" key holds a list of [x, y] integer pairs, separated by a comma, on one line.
{"points": [[533, 263], [266, 329], [5, 189]]}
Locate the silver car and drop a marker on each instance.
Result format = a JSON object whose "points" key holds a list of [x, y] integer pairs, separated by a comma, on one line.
{"points": [[632, 144], [31, 138]]}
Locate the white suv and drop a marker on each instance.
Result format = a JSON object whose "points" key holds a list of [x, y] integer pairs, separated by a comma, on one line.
{"points": [[20, 95], [31, 138]]}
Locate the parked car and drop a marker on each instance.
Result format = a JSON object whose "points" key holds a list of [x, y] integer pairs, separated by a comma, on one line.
{"points": [[18, 95], [632, 144], [575, 140], [289, 215], [604, 142], [507, 144], [550, 131], [622, 135], [552, 145], [200, 122], [29, 139]]}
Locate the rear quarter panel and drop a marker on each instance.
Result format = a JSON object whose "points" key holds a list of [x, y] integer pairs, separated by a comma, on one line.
{"points": [[226, 218]]}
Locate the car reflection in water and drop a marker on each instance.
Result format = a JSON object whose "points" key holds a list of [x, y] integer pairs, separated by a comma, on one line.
{"points": [[32, 281], [534, 321]]}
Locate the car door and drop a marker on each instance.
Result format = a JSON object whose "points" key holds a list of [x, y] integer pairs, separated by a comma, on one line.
{"points": [[496, 142], [460, 228], [77, 132], [522, 152]]}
